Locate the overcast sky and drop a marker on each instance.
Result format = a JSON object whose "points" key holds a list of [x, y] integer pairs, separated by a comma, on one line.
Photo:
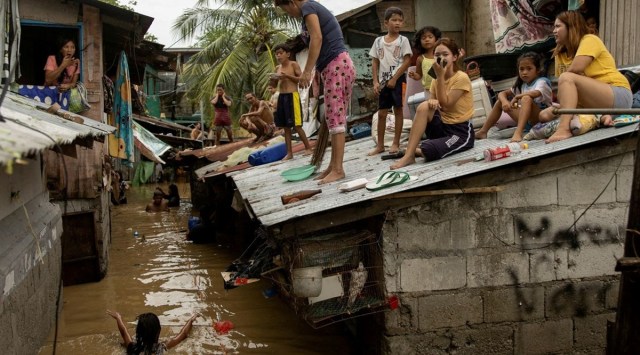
{"points": [[165, 13]]}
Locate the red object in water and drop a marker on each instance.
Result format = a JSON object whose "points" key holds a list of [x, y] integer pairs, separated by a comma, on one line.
{"points": [[241, 281], [223, 326], [394, 302]]}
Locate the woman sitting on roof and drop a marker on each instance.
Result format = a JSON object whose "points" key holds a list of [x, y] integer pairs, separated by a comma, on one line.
{"points": [[445, 116], [587, 73]]}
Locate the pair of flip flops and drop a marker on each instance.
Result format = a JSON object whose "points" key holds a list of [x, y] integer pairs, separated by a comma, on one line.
{"points": [[388, 179], [625, 120]]}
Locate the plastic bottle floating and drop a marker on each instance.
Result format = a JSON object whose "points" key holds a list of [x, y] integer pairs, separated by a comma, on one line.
{"points": [[504, 151]]}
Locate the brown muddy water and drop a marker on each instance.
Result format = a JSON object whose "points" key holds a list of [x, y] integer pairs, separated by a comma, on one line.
{"points": [[174, 278]]}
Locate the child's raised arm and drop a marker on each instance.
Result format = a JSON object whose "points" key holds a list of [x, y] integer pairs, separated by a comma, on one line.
{"points": [[184, 332], [123, 330]]}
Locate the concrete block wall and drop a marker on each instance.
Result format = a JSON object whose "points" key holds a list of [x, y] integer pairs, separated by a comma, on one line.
{"points": [[528, 270], [30, 265]]}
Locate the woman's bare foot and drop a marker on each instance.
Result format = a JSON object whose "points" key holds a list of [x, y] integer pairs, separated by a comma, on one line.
{"points": [[376, 150], [287, 157], [406, 160], [323, 174], [394, 149], [606, 121], [559, 135], [333, 176], [517, 137], [481, 134], [307, 151]]}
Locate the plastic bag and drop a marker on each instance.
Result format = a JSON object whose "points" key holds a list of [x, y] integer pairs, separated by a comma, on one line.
{"points": [[78, 98]]}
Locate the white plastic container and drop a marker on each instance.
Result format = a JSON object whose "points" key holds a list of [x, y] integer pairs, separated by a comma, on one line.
{"points": [[307, 281]]}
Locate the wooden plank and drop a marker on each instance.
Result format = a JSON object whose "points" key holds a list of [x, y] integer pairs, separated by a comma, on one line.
{"points": [[468, 190]]}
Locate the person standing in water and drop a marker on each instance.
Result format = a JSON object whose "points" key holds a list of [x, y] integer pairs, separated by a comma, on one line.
{"points": [[147, 340]]}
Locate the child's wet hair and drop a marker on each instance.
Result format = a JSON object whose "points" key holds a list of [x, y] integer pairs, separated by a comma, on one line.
{"points": [[147, 334], [392, 11], [417, 39]]}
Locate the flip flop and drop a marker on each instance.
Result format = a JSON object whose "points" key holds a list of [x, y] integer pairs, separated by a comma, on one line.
{"points": [[388, 179], [625, 120], [395, 155]]}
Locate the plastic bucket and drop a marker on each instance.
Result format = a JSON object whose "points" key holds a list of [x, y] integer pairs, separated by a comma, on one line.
{"points": [[307, 281], [268, 155]]}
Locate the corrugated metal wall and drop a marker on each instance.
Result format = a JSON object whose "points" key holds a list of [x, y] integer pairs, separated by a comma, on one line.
{"points": [[620, 29]]}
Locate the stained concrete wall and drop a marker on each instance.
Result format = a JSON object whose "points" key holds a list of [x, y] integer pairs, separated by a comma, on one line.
{"points": [[479, 33], [30, 263], [528, 270]]}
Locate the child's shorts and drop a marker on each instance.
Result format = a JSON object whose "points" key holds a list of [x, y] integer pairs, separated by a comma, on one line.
{"points": [[446, 139], [289, 110], [391, 97]]}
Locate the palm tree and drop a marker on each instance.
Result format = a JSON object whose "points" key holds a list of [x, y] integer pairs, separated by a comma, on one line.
{"points": [[236, 37]]}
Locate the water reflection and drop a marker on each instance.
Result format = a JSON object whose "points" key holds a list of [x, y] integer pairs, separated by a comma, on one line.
{"points": [[160, 272]]}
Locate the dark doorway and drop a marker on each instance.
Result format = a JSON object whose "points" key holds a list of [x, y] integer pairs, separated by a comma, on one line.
{"points": [[80, 262], [37, 43]]}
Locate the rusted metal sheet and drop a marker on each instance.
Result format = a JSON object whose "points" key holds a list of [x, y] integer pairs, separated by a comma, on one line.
{"points": [[26, 123], [262, 186]]}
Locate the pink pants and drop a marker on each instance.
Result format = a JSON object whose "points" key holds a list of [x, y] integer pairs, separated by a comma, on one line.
{"points": [[338, 78]]}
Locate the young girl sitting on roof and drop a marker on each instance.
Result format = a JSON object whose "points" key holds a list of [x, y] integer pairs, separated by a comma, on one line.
{"points": [[445, 116]]}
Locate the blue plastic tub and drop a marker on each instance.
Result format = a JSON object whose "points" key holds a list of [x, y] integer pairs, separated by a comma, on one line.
{"points": [[360, 130], [193, 221], [268, 155]]}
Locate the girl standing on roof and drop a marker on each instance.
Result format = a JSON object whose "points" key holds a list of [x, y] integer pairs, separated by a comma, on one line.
{"points": [[425, 44], [587, 73], [327, 54]]}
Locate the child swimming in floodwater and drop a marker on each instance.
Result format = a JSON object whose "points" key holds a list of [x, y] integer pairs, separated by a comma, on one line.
{"points": [[148, 334], [523, 102]]}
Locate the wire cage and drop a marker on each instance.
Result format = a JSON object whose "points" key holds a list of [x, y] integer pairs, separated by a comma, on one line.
{"points": [[352, 276]]}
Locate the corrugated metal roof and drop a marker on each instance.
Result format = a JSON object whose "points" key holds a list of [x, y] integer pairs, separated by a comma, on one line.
{"points": [[16, 140], [262, 186]]}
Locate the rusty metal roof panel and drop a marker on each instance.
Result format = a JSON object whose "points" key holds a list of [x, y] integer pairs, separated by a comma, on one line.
{"points": [[24, 117], [262, 186]]}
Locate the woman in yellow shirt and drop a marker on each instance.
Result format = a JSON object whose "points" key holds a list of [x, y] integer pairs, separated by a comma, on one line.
{"points": [[587, 73]]}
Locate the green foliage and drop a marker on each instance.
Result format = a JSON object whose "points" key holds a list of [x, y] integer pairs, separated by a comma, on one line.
{"points": [[236, 37], [129, 6], [151, 37]]}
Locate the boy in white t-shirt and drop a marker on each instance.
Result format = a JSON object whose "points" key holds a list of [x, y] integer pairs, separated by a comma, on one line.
{"points": [[391, 55]]}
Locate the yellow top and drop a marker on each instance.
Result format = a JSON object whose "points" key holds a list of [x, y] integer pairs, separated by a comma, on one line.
{"points": [[602, 68], [462, 111], [426, 65]]}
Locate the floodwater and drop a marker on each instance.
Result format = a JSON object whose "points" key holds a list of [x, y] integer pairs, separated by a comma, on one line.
{"points": [[174, 278]]}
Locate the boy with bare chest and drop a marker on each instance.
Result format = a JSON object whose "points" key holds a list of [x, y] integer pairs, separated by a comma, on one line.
{"points": [[289, 107]]}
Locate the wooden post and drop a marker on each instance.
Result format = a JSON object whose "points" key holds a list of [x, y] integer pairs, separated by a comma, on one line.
{"points": [[626, 332]]}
